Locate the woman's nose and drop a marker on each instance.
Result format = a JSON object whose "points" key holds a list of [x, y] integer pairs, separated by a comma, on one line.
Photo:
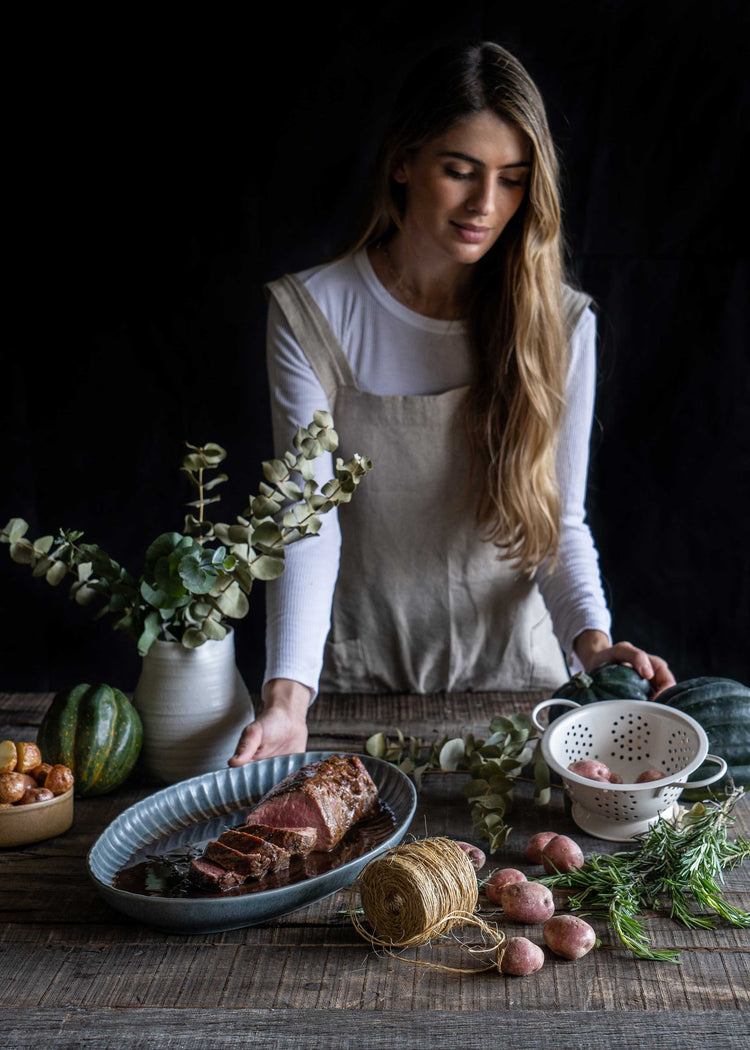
{"points": [[482, 198]]}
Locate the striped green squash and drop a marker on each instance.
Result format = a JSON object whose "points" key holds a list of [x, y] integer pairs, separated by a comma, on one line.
{"points": [[96, 731], [722, 707]]}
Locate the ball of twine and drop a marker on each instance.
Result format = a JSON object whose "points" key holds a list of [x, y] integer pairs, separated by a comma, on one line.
{"points": [[418, 891]]}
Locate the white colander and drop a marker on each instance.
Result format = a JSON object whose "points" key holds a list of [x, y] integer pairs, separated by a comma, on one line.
{"points": [[630, 736]]}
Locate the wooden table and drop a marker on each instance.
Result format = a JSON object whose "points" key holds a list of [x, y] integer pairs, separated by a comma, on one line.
{"points": [[74, 973]]}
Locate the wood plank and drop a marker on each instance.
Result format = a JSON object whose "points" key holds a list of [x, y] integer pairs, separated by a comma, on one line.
{"points": [[341, 971], [311, 1029]]}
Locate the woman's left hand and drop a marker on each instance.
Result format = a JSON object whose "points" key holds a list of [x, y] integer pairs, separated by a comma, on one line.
{"points": [[594, 648]]}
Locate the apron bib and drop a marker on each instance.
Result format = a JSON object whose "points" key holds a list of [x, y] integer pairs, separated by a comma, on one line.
{"points": [[422, 603]]}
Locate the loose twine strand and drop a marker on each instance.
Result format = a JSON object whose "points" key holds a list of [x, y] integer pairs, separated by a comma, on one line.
{"points": [[418, 891]]}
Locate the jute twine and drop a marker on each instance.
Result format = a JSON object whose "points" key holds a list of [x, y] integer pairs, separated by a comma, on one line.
{"points": [[418, 891]]}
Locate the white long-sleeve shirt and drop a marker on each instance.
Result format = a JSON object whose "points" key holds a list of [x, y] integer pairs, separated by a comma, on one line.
{"points": [[393, 350]]}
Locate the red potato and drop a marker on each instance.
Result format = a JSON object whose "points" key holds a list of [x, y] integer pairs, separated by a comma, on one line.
{"points": [[591, 769], [615, 778], [536, 844], [527, 902], [499, 880], [521, 957], [650, 774], [476, 856], [561, 854], [568, 936], [32, 795]]}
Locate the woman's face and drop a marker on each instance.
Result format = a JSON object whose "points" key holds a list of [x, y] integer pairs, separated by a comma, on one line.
{"points": [[463, 188]]}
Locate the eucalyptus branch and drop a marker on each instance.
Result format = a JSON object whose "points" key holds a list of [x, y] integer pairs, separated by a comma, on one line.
{"points": [[189, 586], [493, 766]]}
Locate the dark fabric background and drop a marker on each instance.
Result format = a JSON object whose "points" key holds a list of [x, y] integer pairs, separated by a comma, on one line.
{"points": [[162, 171]]}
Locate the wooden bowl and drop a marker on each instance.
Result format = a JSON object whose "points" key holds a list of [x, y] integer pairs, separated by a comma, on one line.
{"points": [[21, 825]]}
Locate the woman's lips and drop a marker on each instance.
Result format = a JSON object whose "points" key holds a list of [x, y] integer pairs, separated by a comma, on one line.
{"points": [[471, 234]]}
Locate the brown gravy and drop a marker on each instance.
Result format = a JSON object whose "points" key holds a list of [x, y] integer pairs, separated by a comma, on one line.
{"points": [[161, 868]]}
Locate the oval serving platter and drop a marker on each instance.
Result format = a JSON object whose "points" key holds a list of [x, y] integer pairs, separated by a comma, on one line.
{"points": [[180, 807]]}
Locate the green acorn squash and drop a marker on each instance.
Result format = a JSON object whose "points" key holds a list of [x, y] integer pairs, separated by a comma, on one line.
{"points": [[607, 682], [722, 707], [97, 732]]}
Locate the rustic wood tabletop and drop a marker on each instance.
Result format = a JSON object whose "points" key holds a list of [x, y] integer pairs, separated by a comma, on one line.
{"points": [[75, 973]]}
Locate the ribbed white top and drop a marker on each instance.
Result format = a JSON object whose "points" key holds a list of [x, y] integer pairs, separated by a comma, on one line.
{"points": [[393, 350]]}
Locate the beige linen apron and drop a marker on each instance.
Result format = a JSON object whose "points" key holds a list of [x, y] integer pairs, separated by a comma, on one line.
{"points": [[421, 604]]}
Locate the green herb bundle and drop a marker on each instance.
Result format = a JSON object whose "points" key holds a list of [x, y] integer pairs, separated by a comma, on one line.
{"points": [[678, 867]]}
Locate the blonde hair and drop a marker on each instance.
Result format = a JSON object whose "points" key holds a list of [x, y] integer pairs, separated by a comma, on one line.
{"points": [[516, 325]]}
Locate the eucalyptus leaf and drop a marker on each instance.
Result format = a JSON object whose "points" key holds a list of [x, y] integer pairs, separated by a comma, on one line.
{"points": [[213, 630], [22, 552], [376, 745], [232, 601], [451, 754], [192, 638], [264, 567], [151, 631], [56, 573], [41, 567]]}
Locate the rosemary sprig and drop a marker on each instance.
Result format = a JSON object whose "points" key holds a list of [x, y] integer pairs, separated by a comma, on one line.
{"points": [[678, 867]]}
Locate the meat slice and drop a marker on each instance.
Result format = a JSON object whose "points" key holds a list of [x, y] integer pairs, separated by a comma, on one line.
{"points": [[249, 865], [213, 877], [329, 796], [246, 843], [297, 841]]}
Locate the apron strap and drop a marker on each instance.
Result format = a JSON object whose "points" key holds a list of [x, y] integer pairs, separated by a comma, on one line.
{"points": [[314, 334], [573, 303]]}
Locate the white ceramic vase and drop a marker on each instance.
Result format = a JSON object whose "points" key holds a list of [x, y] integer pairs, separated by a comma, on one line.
{"points": [[194, 705]]}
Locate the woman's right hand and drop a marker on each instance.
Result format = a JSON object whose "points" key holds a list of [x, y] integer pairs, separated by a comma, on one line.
{"points": [[280, 728]]}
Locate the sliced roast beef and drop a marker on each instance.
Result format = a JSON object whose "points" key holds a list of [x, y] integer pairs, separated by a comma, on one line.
{"points": [[297, 841], [249, 865], [247, 843], [213, 877], [329, 796]]}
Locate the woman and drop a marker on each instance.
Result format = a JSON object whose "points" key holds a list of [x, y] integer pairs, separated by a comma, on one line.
{"points": [[450, 352]]}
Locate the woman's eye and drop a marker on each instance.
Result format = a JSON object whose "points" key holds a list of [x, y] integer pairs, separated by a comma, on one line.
{"points": [[458, 174], [510, 182]]}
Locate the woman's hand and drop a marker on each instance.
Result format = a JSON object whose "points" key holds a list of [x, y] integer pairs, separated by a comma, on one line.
{"points": [[281, 728], [594, 648]]}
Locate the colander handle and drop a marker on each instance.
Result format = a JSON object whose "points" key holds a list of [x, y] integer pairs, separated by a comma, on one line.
{"points": [[548, 703], [702, 783]]}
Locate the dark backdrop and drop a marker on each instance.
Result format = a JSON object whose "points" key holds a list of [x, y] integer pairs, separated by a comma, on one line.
{"points": [[161, 172]]}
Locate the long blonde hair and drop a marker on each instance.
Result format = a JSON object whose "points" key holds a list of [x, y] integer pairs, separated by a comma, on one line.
{"points": [[515, 319]]}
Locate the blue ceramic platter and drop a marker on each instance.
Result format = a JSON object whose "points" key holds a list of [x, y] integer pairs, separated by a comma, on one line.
{"points": [[172, 815]]}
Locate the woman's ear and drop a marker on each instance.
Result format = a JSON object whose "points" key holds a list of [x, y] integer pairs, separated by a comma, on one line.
{"points": [[399, 171]]}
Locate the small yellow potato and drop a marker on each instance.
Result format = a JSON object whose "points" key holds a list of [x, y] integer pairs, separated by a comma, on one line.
{"points": [[29, 757], [59, 780], [12, 786], [8, 756], [37, 794], [39, 773]]}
